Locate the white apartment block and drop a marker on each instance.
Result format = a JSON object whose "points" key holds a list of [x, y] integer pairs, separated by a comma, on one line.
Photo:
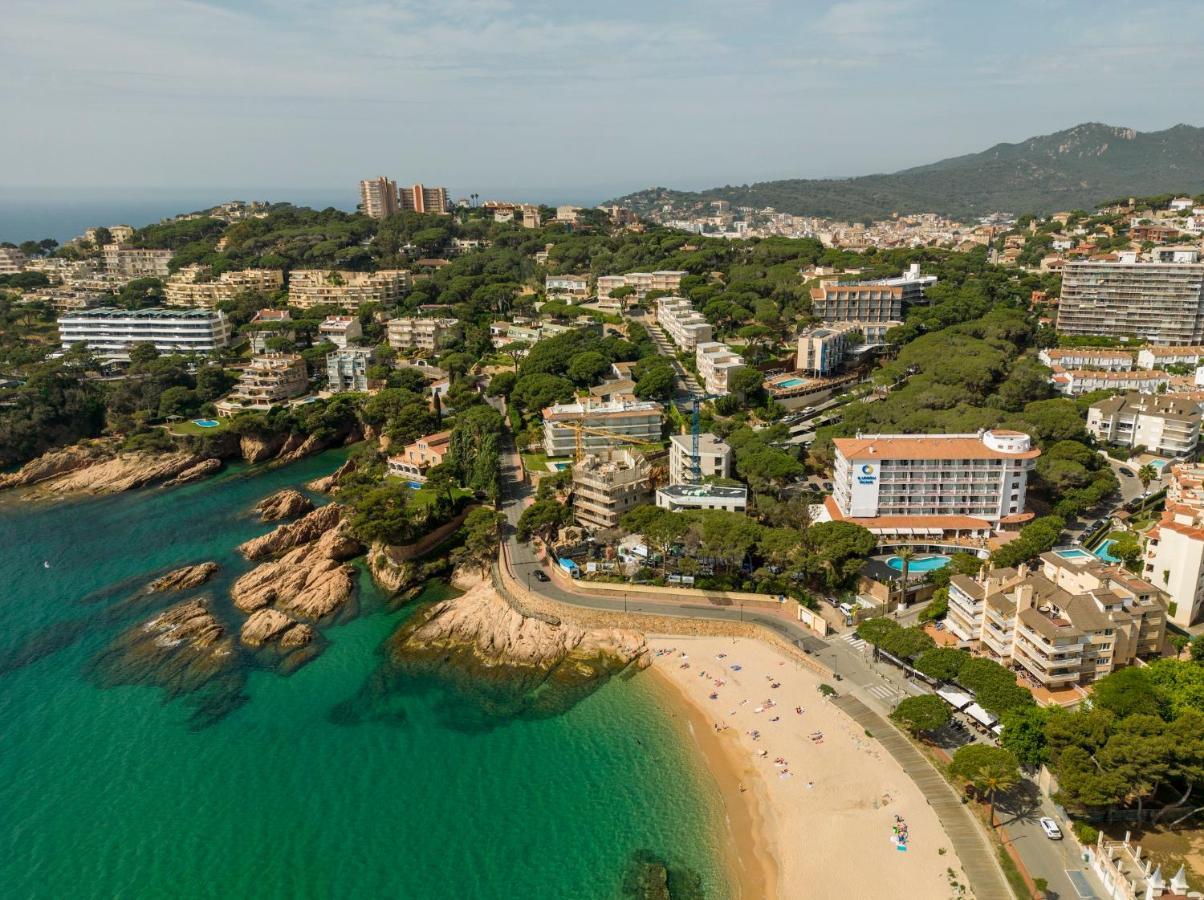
{"points": [[608, 483], [193, 286], [880, 302], [822, 350], [411, 332], [686, 326], [314, 287], [932, 484], [1089, 358], [136, 262], [643, 282], [1073, 382], [1161, 357], [341, 331], [714, 458], [1162, 424], [347, 369], [1160, 302], [1174, 548], [601, 424], [12, 261], [567, 287], [110, 332], [1069, 621], [268, 380], [716, 363]]}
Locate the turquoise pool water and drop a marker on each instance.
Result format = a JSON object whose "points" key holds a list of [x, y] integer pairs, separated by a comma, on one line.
{"points": [[328, 783], [1073, 553], [1158, 464], [791, 382], [206, 423], [920, 563], [1102, 551]]}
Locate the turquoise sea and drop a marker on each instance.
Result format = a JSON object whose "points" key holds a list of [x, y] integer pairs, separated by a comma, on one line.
{"points": [[116, 791]]}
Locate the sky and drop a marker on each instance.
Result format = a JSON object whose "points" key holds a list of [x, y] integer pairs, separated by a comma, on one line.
{"points": [[560, 99]]}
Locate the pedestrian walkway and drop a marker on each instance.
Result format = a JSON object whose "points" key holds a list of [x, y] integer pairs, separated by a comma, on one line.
{"points": [[882, 692], [976, 854]]}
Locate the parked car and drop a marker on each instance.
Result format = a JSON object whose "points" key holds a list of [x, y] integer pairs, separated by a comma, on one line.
{"points": [[541, 575], [1128, 473], [1051, 829]]}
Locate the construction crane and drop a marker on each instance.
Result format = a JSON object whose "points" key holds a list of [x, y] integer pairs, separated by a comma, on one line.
{"points": [[579, 430]]}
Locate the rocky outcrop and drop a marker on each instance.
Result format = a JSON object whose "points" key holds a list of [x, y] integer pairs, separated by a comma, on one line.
{"points": [[308, 582], [123, 472], [263, 626], [300, 635], [286, 504], [59, 462], [508, 663], [329, 483], [388, 573], [203, 469], [183, 579], [284, 538], [256, 448]]}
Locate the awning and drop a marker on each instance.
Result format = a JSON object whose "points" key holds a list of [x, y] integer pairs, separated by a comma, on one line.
{"points": [[957, 699], [997, 729], [980, 715]]}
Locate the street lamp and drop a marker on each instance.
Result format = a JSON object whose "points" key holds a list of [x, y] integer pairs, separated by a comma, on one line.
{"points": [[624, 601]]}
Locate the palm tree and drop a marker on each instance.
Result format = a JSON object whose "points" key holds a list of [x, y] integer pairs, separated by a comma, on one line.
{"points": [[1146, 474], [906, 555], [990, 780]]}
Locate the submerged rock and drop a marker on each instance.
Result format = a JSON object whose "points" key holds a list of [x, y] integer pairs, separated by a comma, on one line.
{"points": [[285, 504], [284, 538], [183, 579], [308, 582], [183, 649]]}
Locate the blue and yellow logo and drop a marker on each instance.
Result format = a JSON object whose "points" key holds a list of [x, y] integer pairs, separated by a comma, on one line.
{"points": [[867, 469]]}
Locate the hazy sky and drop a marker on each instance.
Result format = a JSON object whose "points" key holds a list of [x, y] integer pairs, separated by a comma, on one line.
{"points": [[512, 95]]}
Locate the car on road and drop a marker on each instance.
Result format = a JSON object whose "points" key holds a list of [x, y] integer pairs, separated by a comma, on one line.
{"points": [[1051, 829], [541, 575], [1128, 473], [827, 485]]}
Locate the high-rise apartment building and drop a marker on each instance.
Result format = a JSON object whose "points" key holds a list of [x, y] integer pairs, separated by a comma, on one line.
{"points": [[1160, 302], [937, 484], [378, 197], [421, 199]]}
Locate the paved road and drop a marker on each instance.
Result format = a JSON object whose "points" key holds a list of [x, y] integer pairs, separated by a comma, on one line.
{"points": [[686, 385]]}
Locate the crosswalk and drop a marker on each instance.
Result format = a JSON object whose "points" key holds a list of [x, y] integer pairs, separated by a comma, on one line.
{"points": [[882, 692], [854, 641]]}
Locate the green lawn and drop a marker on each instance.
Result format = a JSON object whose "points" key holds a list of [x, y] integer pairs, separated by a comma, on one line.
{"points": [[538, 462], [191, 427], [423, 497]]}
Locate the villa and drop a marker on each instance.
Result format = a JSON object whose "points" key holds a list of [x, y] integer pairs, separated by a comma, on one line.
{"points": [[415, 459]]}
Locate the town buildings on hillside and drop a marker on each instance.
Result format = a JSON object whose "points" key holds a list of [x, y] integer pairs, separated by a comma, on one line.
{"points": [[346, 290], [602, 425], [268, 380], [195, 286], [1162, 424], [110, 333]]}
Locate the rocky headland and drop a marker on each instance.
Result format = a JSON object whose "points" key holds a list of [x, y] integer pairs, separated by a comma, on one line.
{"points": [[506, 662], [286, 504], [305, 530]]}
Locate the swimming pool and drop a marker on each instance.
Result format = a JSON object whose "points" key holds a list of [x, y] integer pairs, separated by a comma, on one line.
{"points": [[790, 382], [206, 423], [1072, 553], [1158, 465], [920, 563], [1102, 551]]}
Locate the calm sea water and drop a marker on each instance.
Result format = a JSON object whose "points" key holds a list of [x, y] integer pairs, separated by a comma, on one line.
{"points": [[109, 792]]}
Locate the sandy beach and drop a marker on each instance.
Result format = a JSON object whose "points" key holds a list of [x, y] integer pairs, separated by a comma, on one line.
{"points": [[814, 806]]}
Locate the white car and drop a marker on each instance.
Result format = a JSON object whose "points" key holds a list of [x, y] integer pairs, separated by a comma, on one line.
{"points": [[1051, 829]]}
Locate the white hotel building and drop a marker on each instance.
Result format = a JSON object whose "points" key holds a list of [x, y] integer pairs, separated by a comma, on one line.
{"points": [[685, 325], [716, 362], [110, 332], [934, 485]]}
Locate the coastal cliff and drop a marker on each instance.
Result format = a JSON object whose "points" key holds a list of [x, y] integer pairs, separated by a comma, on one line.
{"points": [[59, 462], [122, 472]]}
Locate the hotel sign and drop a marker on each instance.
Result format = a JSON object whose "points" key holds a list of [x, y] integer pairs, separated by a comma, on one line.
{"points": [[867, 474]]}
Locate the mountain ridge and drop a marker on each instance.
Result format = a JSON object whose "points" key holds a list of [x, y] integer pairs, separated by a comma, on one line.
{"points": [[1078, 167]]}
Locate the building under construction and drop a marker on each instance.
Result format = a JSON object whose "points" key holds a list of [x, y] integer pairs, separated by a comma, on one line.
{"points": [[607, 484]]}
